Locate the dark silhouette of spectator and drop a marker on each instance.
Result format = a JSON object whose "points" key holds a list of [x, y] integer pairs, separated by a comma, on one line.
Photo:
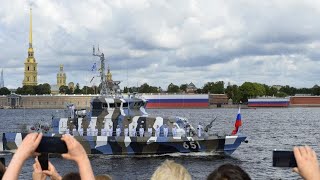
{"points": [[2, 170], [72, 176], [307, 161], [228, 172], [103, 177]]}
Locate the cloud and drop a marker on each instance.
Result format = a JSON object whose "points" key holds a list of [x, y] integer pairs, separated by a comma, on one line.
{"points": [[159, 42]]}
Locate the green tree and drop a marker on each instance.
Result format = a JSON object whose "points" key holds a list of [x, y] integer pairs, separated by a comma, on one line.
{"points": [[183, 87], [172, 88], [251, 90], [64, 90], [214, 87], [77, 89], [145, 88], [4, 91], [291, 91], [315, 90], [87, 90]]}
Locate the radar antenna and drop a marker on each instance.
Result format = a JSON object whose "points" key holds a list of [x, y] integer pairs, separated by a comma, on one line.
{"points": [[104, 90]]}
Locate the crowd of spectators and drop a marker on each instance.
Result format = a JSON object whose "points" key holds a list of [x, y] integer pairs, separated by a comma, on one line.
{"points": [[307, 164]]}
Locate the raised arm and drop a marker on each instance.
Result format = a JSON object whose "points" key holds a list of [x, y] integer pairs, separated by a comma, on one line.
{"points": [[24, 151], [79, 155], [308, 166]]}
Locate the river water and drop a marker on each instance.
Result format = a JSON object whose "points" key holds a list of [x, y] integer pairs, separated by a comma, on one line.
{"points": [[266, 129]]}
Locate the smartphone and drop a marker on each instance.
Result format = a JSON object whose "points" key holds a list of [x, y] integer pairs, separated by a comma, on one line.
{"points": [[283, 159], [52, 145], [3, 161], [43, 160]]}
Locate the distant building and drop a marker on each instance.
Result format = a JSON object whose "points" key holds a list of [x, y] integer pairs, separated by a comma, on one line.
{"points": [[61, 81], [61, 77], [191, 88], [30, 65]]}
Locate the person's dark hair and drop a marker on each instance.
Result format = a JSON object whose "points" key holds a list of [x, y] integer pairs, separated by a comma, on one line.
{"points": [[2, 170], [228, 172], [72, 176]]}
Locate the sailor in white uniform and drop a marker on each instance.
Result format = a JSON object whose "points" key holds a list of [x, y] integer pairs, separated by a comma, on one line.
{"points": [[133, 131], [174, 131], [200, 129], [165, 131], [126, 131], [74, 131], [118, 131], [103, 132], [141, 131], [80, 131], [150, 131], [157, 131], [95, 132], [109, 131]]}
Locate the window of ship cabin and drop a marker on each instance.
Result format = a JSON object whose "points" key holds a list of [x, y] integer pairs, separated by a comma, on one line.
{"points": [[125, 105], [112, 105], [96, 105], [118, 105], [105, 105]]}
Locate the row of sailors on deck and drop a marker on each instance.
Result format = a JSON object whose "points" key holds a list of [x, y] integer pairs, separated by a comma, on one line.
{"points": [[175, 132]]}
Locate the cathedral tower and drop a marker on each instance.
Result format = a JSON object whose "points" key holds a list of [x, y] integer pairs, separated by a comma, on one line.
{"points": [[30, 65], [61, 77]]}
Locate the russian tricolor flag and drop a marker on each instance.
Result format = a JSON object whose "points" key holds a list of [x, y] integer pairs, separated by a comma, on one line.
{"points": [[237, 124]]}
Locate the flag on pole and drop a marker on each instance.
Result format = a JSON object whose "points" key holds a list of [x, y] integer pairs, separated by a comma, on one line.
{"points": [[237, 124], [94, 67]]}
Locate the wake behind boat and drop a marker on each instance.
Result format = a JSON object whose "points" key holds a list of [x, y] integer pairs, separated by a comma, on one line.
{"points": [[118, 125]]}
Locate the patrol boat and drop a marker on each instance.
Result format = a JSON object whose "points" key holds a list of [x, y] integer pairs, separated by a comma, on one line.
{"points": [[118, 125]]}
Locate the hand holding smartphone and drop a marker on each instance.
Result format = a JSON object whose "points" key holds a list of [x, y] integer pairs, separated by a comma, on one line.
{"points": [[283, 159], [43, 160], [52, 145]]}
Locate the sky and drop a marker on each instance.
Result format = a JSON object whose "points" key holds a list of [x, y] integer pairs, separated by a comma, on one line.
{"points": [[165, 41]]}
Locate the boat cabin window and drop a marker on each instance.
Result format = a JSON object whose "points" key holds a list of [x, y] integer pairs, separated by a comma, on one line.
{"points": [[125, 105], [118, 105], [105, 105], [96, 105], [112, 105]]}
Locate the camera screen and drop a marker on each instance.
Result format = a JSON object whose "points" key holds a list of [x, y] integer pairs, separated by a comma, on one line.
{"points": [[283, 159]]}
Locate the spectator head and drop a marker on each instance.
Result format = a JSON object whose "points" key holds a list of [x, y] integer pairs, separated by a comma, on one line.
{"points": [[169, 170], [228, 172], [2, 170], [72, 176], [103, 177]]}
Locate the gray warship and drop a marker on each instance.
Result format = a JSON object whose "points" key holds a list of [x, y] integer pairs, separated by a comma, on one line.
{"points": [[120, 125]]}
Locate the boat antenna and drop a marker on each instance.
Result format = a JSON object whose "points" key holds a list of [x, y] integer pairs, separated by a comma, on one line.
{"points": [[104, 90]]}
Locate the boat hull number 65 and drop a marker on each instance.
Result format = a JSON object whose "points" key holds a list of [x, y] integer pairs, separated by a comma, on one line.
{"points": [[191, 145]]}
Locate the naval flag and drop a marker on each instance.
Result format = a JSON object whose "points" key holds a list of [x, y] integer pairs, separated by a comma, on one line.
{"points": [[237, 124], [94, 67]]}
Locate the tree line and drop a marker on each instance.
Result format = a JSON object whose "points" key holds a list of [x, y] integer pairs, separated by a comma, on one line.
{"points": [[237, 93]]}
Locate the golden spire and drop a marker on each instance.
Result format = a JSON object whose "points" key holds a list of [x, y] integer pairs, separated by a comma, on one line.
{"points": [[30, 33]]}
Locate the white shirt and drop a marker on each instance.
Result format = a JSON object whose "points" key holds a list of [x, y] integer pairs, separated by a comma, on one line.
{"points": [[165, 132], [118, 131], [157, 132], [141, 131], [174, 131], [150, 131]]}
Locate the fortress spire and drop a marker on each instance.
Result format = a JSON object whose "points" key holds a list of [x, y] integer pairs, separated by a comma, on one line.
{"points": [[30, 64], [30, 33]]}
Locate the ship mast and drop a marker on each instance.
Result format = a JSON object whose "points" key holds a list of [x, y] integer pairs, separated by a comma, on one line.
{"points": [[104, 90]]}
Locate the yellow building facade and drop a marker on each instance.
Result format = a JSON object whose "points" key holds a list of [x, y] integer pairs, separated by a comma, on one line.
{"points": [[61, 77], [30, 64]]}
